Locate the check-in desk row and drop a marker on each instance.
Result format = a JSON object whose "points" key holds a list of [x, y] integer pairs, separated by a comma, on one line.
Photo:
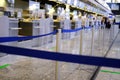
{"points": [[27, 27], [67, 24], [14, 27], [44, 26]]}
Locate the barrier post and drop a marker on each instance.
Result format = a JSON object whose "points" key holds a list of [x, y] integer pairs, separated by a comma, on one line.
{"points": [[111, 34], [103, 49], [58, 48], [92, 42], [99, 39], [81, 42]]}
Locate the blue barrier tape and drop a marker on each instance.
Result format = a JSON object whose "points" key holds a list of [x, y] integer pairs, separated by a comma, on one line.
{"points": [[88, 27], [12, 39], [69, 31], [97, 61], [117, 23]]}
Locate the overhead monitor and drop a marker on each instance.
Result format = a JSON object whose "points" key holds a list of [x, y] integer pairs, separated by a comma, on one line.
{"points": [[11, 1], [114, 7], [63, 1], [117, 18], [76, 3], [53, 0], [70, 2], [34, 5], [48, 7]]}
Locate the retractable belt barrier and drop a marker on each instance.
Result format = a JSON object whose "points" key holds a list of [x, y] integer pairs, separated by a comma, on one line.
{"points": [[88, 27], [75, 30], [117, 23], [12, 39], [69, 31], [96, 61]]}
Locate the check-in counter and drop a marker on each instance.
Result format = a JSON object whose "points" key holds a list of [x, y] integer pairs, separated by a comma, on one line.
{"points": [[37, 27], [8, 28], [13, 30], [27, 27]]}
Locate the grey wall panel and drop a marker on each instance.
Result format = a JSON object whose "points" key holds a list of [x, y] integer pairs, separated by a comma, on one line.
{"points": [[21, 4]]}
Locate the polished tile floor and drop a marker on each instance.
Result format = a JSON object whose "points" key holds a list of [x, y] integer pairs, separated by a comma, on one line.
{"points": [[25, 68], [113, 53]]}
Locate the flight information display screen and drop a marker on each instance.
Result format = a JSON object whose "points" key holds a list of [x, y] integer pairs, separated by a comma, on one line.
{"points": [[76, 3], [114, 6], [34, 5], [63, 1], [70, 2]]}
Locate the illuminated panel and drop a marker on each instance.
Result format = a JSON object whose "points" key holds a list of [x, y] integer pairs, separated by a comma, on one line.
{"points": [[114, 6], [34, 5]]}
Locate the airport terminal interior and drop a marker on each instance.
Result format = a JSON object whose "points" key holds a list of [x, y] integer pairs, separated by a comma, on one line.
{"points": [[49, 39]]}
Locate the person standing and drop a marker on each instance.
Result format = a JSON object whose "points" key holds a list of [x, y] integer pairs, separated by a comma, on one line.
{"points": [[107, 23]]}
